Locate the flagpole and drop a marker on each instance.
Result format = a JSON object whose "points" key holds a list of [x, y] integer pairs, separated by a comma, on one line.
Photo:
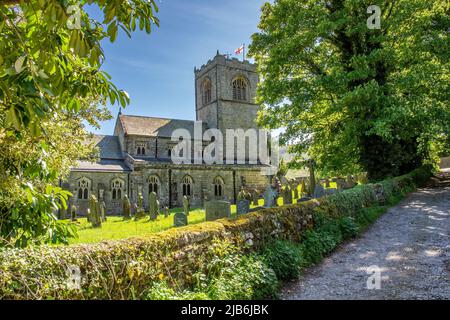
{"points": [[243, 52]]}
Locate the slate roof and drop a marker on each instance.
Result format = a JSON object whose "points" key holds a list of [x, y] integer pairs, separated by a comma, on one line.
{"points": [[111, 159], [104, 165], [155, 127], [109, 146]]}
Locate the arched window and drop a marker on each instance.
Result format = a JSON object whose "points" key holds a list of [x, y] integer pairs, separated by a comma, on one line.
{"points": [[140, 148], [117, 186], [153, 184], [206, 91], [218, 187], [187, 186], [239, 89], [83, 189]]}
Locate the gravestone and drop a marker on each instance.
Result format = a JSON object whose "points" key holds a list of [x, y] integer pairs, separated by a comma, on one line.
{"points": [[94, 212], [327, 183], [287, 195], [186, 205], [103, 211], [304, 188], [255, 197], [180, 219], [73, 213], [296, 191], [319, 191], [140, 212], [166, 212], [350, 182], [217, 209], [126, 207], [153, 206], [242, 206], [270, 196], [340, 182]]}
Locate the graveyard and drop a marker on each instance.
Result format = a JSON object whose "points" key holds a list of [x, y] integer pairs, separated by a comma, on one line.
{"points": [[120, 227]]}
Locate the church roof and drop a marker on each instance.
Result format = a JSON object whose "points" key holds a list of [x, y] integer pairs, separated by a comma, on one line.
{"points": [[109, 146], [154, 127], [104, 165]]}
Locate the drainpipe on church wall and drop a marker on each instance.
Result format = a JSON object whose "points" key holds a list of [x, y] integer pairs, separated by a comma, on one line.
{"points": [[234, 186], [170, 188]]}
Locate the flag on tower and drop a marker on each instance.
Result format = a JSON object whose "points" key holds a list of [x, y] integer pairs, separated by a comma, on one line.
{"points": [[239, 50]]}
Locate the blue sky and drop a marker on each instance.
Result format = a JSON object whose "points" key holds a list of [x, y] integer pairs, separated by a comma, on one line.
{"points": [[157, 70]]}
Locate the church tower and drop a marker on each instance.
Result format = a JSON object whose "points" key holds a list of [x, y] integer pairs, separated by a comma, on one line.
{"points": [[225, 91]]}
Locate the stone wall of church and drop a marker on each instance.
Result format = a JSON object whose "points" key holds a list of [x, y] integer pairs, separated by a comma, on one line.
{"points": [[100, 185], [202, 187]]}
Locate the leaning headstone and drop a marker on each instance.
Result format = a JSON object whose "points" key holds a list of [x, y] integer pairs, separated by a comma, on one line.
{"points": [[319, 191], [126, 207], [153, 204], [217, 209], [186, 205], [180, 219], [73, 213]]}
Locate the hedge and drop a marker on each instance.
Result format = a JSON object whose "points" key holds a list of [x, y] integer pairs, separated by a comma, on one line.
{"points": [[125, 269]]}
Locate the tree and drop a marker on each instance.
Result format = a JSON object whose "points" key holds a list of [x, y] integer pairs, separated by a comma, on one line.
{"points": [[351, 97], [50, 85]]}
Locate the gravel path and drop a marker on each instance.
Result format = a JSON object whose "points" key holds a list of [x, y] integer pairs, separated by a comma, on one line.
{"points": [[409, 243]]}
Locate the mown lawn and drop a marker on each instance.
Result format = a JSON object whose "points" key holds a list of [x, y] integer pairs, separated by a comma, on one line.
{"points": [[117, 228]]}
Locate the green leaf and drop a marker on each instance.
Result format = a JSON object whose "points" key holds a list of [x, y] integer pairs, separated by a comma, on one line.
{"points": [[18, 65]]}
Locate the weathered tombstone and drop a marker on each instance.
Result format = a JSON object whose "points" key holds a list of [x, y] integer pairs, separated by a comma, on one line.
{"points": [[73, 213], [153, 204], [126, 207], [270, 197], [243, 202], [303, 190], [296, 195], [186, 205], [330, 191], [103, 211], [180, 219], [217, 209], [287, 195], [327, 183], [94, 212], [319, 191], [166, 212], [242, 206], [255, 197], [340, 182], [140, 212]]}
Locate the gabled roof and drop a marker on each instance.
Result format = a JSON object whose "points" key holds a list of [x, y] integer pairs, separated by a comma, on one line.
{"points": [[109, 146], [155, 127]]}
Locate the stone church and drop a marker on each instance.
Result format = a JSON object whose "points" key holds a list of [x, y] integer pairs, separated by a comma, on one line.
{"points": [[137, 157]]}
